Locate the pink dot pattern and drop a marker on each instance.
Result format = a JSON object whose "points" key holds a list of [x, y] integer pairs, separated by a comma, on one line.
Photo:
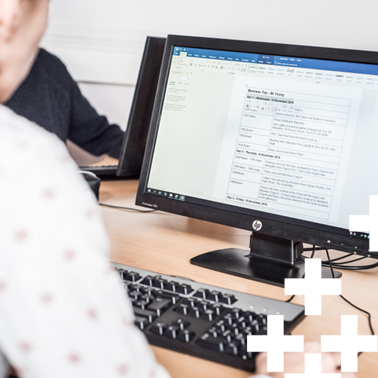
{"points": [[61, 313]]}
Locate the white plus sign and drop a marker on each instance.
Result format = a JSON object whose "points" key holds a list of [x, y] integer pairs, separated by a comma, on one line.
{"points": [[313, 286], [313, 368], [349, 343], [275, 343], [367, 223]]}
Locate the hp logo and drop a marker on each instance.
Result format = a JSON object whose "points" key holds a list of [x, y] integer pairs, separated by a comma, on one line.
{"points": [[256, 225]]}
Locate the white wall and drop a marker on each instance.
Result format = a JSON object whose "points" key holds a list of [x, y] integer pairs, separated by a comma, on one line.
{"points": [[102, 40]]}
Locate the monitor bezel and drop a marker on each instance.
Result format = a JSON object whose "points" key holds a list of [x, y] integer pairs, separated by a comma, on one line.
{"points": [[273, 225], [135, 138]]}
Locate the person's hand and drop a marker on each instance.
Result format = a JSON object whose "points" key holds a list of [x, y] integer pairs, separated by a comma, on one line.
{"points": [[294, 362]]}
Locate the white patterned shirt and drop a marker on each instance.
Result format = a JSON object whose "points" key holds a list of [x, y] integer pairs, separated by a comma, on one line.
{"points": [[63, 309]]}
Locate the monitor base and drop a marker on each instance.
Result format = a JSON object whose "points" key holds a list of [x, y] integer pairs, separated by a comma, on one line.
{"points": [[241, 263]]}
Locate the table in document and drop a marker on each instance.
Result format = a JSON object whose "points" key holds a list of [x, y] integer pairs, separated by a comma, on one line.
{"points": [[283, 148]]}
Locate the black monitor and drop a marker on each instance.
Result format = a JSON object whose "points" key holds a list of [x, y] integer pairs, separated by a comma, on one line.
{"points": [[134, 141], [272, 138]]}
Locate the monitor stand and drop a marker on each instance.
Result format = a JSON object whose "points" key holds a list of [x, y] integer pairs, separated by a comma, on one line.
{"points": [[270, 260]]}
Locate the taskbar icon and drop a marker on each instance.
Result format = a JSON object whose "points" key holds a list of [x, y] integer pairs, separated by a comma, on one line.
{"points": [[169, 195]]}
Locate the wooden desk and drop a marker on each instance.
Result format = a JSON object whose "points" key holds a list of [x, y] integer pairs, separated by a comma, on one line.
{"points": [[164, 243]]}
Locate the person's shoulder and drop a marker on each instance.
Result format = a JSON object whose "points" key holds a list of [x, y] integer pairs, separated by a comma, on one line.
{"points": [[21, 140], [16, 126], [50, 64]]}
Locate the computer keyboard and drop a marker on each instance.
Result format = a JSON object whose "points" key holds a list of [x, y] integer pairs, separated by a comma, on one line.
{"points": [[201, 320], [102, 171]]}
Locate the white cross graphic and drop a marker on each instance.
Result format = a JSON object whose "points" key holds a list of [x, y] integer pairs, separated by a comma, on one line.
{"points": [[313, 368], [349, 343], [275, 343], [313, 286], [367, 223]]}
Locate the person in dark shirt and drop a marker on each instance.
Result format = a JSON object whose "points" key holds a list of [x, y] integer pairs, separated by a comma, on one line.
{"points": [[52, 99]]}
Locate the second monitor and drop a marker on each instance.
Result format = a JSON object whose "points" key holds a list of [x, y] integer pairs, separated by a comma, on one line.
{"points": [[272, 138], [134, 142]]}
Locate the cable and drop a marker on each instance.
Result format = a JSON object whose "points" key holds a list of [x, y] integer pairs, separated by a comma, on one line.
{"points": [[350, 303], [312, 248], [357, 267], [342, 265], [342, 257], [290, 299], [312, 255], [313, 251], [346, 262], [330, 263], [126, 208]]}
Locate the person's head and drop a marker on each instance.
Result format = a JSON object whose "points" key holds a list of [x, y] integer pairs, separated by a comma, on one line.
{"points": [[22, 24]]}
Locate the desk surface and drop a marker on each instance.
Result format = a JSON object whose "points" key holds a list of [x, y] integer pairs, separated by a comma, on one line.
{"points": [[164, 243]]}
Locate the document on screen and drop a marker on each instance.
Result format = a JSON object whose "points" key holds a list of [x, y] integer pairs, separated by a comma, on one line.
{"points": [[285, 146]]}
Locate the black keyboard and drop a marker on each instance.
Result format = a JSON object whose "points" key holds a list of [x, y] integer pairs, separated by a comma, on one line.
{"points": [[101, 171], [201, 320]]}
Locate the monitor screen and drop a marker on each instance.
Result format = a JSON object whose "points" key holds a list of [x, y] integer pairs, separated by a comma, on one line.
{"points": [[280, 136]]}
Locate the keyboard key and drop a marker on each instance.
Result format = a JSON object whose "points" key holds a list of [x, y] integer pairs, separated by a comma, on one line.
{"points": [[210, 342], [195, 312], [247, 331], [204, 305], [182, 323], [221, 325], [172, 331], [159, 328], [147, 280], [250, 316], [232, 348], [234, 329], [138, 288], [227, 335], [214, 331], [242, 322], [218, 308], [183, 309], [141, 304], [214, 296], [262, 319], [201, 293], [131, 276], [186, 335], [209, 315], [121, 271], [159, 305], [147, 297], [141, 322], [159, 283], [163, 294], [191, 302], [156, 282], [150, 315], [228, 319], [135, 294], [255, 327], [184, 289], [236, 313], [172, 286], [228, 299], [241, 339]]}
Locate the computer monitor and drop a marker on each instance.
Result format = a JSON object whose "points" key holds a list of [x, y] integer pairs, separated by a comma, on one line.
{"points": [[134, 141], [272, 138]]}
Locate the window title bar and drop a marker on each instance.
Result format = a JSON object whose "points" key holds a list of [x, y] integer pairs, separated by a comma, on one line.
{"points": [[273, 60]]}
